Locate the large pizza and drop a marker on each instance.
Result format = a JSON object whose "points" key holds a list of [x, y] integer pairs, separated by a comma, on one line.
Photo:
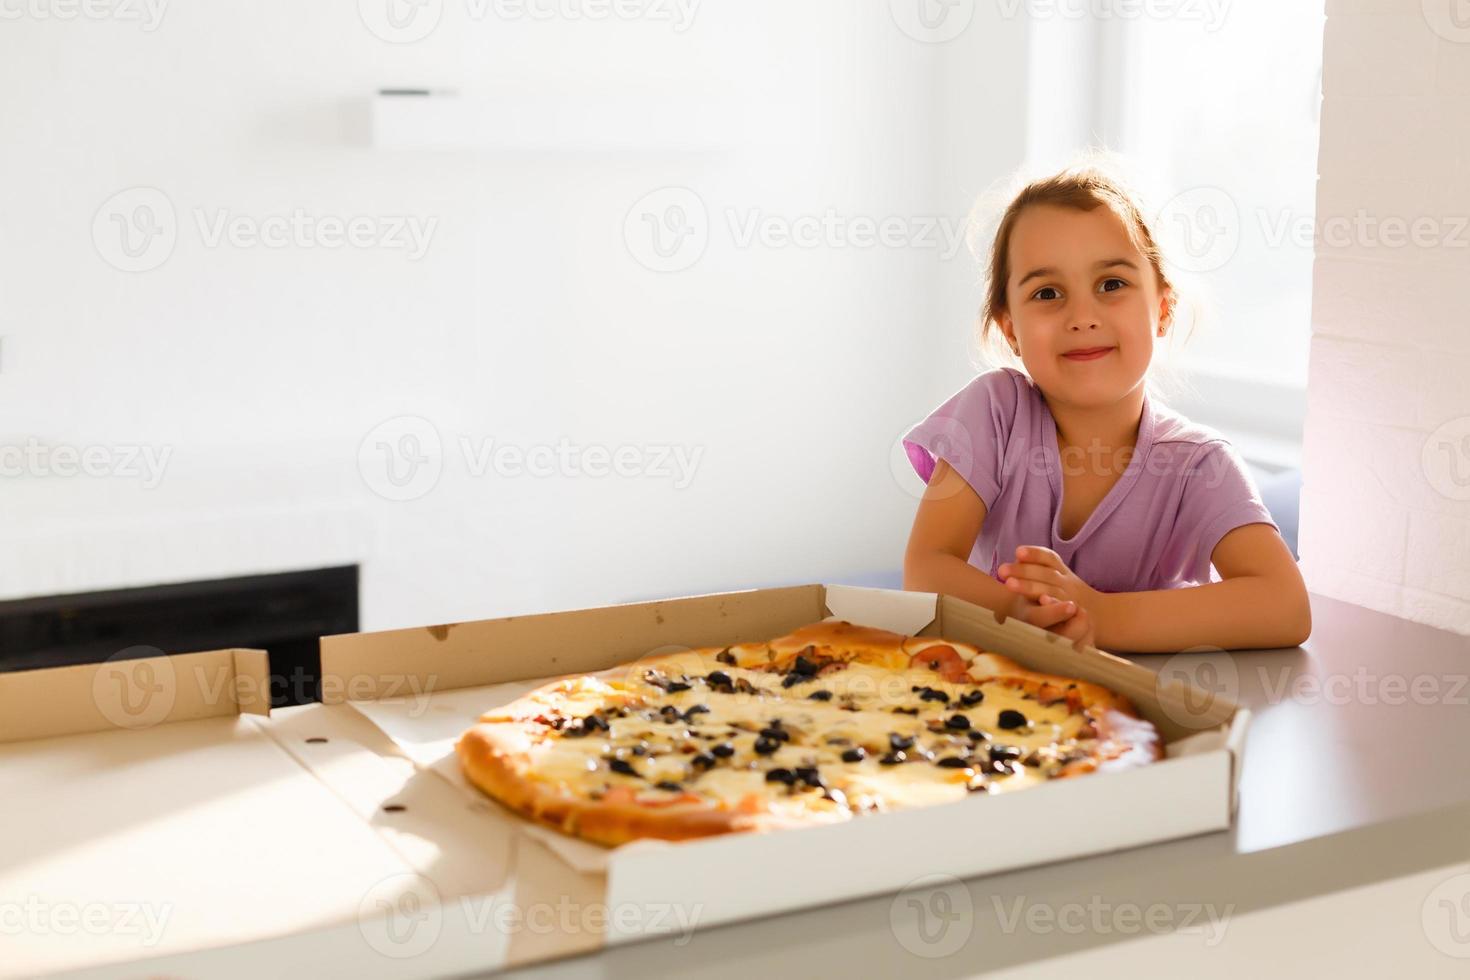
{"points": [[831, 721]]}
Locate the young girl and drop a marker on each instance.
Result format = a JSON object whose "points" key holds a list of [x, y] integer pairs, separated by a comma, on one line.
{"points": [[1067, 495]]}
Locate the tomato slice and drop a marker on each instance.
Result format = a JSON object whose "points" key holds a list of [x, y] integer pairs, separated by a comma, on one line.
{"points": [[943, 659]]}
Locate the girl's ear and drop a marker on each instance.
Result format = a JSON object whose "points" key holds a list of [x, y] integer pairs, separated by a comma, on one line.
{"points": [[1166, 311], [1009, 330]]}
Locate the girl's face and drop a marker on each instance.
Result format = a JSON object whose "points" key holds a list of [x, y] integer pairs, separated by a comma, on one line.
{"points": [[1077, 283]]}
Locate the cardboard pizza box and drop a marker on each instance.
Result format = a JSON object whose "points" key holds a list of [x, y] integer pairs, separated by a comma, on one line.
{"points": [[1191, 791], [327, 834]]}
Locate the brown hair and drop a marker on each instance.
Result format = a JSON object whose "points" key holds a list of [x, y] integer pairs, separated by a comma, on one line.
{"points": [[1082, 187]]}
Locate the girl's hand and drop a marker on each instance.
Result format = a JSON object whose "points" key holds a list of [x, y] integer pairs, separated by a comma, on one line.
{"points": [[1065, 619], [1077, 627], [1038, 572]]}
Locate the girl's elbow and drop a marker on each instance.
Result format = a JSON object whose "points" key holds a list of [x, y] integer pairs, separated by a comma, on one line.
{"points": [[1301, 623]]}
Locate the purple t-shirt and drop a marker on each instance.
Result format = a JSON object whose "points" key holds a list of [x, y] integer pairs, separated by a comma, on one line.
{"points": [[1183, 489]]}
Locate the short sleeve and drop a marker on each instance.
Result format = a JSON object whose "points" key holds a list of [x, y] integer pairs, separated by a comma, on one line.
{"points": [[969, 431], [1219, 496]]}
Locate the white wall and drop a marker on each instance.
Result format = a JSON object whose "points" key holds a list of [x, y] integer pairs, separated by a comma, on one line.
{"points": [[792, 371], [1386, 495]]}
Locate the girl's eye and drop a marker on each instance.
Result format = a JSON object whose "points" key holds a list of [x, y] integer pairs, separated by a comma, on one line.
{"points": [[1044, 289], [1120, 283]]}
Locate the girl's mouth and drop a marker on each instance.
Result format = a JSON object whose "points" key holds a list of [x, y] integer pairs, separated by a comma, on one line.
{"points": [[1088, 353]]}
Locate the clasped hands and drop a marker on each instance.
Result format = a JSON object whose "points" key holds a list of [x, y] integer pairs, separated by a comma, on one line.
{"points": [[1050, 595]]}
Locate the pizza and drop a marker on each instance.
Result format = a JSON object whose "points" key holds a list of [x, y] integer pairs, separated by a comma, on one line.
{"points": [[830, 722]]}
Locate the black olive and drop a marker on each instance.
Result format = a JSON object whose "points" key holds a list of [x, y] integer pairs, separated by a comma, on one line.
{"points": [[703, 761], [1004, 752], [857, 754], [670, 786], [820, 696], [623, 766], [669, 712], [957, 721], [723, 751], [976, 735], [809, 775], [929, 694], [675, 686], [718, 678], [725, 657], [781, 776], [971, 698], [804, 666], [765, 746], [899, 742], [793, 679], [776, 732], [893, 758], [698, 709], [1011, 718], [953, 762]]}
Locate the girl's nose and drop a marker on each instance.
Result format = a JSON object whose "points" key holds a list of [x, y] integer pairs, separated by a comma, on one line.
{"points": [[1083, 316]]}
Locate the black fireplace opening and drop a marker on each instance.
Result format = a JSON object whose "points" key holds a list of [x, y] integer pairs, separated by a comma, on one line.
{"points": [[284, 614]]}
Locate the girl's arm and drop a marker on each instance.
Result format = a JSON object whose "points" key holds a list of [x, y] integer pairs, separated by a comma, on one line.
{"points": [[949, 519], [1261, 602]]}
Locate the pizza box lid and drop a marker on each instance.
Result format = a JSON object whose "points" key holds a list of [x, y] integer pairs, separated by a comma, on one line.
{"points": [[135, 689]]}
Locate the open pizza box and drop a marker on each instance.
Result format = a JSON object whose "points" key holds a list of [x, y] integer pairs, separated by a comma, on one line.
{"points": [[342, 835]]}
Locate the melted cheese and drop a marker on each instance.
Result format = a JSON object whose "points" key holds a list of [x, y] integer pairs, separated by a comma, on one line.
{"points": [[860, 713]]}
